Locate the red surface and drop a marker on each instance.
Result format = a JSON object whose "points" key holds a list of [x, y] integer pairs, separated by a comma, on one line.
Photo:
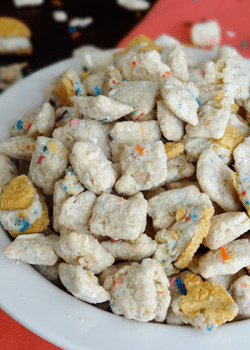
{"points": [[174, 17], [171, 17]]}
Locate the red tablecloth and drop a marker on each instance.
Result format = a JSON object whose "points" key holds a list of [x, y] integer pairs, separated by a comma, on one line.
{"points": [[173, 17]]}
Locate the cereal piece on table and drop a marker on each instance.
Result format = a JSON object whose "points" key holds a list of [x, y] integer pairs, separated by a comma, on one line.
{"points": [[140, 95], [231, 139], [228, 259], [130, 133], [143, 168], [179, 243], [92, 168], [176, 59], [33, 249], [142, 247], [8, 170], [225, 228], [68, 85], [241, 180], [19, 147], [205, 306], [94, 83], [82, 284], [240, 290], [119, 218], [112, 79], [182, 99], [140, 292], [48, 163], [163, 207], [39, 122], [71, 184], [237, 122], [101, 107], [215, 180], [206, 33], [179, 168], [76, 212], [136, 65], [171, 126], [59, 196], [82, 249], [84, 130], [226, 280]]}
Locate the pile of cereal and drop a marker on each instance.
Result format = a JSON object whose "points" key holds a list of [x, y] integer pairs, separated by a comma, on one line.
{"points": [[146, 158]]}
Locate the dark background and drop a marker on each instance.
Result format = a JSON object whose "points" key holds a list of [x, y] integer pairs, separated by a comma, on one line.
{"points": [[53, 42]]}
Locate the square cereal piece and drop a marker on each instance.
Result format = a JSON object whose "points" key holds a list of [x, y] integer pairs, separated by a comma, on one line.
{"points": [[143, 168], [140, 95], [119, 218]]}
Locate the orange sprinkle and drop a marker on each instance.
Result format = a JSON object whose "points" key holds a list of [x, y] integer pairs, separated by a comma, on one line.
{"points": [[57, 3], [224, 254], [120, 199], [75, 35], [139, 149]]}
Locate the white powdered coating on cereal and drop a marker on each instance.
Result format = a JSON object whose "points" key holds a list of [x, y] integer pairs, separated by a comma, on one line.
{"points": [[48, 163], [33, 249], [143, 168], [142, 247], [19, 147], [101, 107], [59, 196], [194, 146], [138, 94], [175, 57], [130, 133], [93, 169], [163, 207], [76, 212], [119, 218], [182, 99], [215, 179], [179, 168], [43, 122], [82, 284], [240, 290], [84, 130], [94, 83], [226, 280], [225, 228], [71, 184], [212, 263], [83, 249], [8, 170], [237, 122], [171, 126], [140, 292], [15, 223]]}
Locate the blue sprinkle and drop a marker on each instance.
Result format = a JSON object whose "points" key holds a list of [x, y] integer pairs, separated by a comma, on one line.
{"points": [[209, 329], [18, 221], [85, 68], [193, 217], [97, 90], [10, 163], [25, 225], [65, 188], [19, 124], [132, 113], [180, 286], [123, 79], [197, 101], [244, 44], [105, 121], [179, 105], [35, 212], [72, 30], [11, 171], [211, 160], [247, 202], [72, 171]]}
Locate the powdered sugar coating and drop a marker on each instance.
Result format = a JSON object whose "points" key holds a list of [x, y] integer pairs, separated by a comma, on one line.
{"points": [[240, 290]]}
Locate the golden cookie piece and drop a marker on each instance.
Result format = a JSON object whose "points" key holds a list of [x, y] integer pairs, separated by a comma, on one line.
{"points": [[173, 149], [17, 194], [203, 228], [137, 40], [212, 301], [231, 139], [64, 91], [39, 225], [234, 108]]}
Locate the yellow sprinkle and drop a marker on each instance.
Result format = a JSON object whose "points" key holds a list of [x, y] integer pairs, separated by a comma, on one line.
{"points": [[219, 96], [90, 275], [54, 148]]}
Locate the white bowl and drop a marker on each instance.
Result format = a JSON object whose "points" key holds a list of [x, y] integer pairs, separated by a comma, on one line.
{"points": [[59, 317]]}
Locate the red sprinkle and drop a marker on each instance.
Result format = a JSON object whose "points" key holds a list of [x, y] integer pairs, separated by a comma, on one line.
{"points": [[40, 159], [114, 240], [133, 63], [243, 193], [29, 126], [187, 218], [33, 147]]}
